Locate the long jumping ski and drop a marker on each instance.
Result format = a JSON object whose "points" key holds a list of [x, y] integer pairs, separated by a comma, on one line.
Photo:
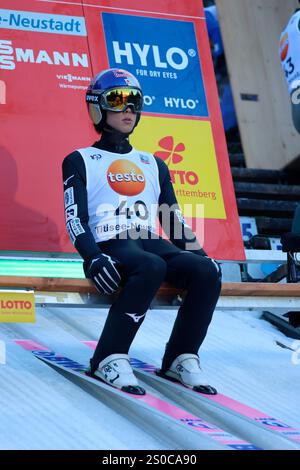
{"points": [[233, 416], [208, 436]]}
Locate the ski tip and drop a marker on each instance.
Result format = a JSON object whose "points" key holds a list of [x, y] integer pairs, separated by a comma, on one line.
{"points": [[205, 389], [134, 390]]}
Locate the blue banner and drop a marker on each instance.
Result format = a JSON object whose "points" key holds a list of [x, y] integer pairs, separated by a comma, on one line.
{"points": [[163, 55]]}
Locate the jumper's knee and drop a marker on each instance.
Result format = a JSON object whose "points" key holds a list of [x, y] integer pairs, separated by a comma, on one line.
{"points": [[155, 267], [206, 270]]}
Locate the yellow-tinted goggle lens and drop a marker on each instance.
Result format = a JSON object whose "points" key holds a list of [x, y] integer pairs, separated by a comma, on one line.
{"points": [[117, 99]]}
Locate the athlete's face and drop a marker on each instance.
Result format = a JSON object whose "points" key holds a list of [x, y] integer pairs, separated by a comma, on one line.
{"points": [[123, 122]]}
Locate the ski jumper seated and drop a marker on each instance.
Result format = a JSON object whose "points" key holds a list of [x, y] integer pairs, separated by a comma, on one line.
{"points": [[113, 196]]}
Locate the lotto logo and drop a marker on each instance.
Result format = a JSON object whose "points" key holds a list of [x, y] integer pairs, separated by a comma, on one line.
{"points": [[126, 178], [171, 154], [284, 47]]}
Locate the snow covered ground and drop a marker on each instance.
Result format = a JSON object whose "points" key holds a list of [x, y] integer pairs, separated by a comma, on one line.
{"points": [[40, 409]]}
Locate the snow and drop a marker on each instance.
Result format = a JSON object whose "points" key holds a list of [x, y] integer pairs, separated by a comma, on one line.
{"points": [[40, 409]]}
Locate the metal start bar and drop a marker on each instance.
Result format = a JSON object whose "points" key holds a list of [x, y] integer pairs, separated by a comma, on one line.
{"points": [[274, 304]]}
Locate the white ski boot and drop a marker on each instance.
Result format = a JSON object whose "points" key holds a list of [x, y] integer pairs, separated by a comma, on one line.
{"points": [[186, 369], [116, 370]]}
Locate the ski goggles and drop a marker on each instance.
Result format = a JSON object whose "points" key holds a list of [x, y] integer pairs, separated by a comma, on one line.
{"points": [[118, 99]]}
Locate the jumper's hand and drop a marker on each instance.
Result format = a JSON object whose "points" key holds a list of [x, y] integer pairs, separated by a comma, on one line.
{"points": [[104, 274]]}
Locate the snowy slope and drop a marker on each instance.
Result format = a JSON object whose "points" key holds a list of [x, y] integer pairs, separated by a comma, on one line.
{"points": [[40, 409]]}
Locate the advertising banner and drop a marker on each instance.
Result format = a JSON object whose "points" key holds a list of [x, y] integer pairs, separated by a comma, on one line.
{"points": [[48, 52], [44, 70], [17, 307]]}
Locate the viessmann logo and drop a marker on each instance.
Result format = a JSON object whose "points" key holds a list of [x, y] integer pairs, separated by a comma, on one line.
{"points": [[10, 55], [42, 22]]}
